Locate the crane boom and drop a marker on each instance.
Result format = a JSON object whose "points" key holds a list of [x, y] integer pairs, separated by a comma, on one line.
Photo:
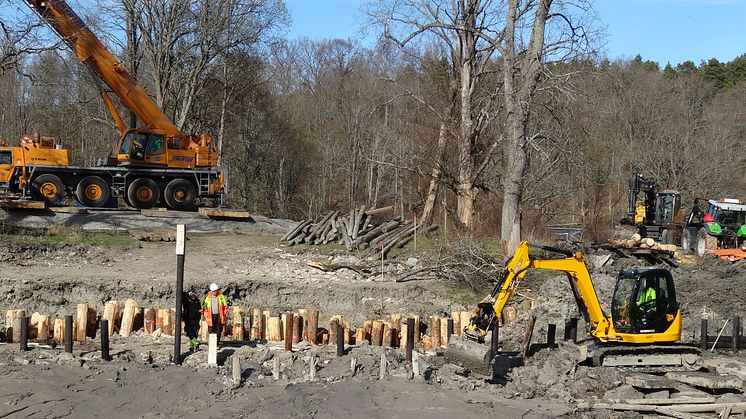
{"points": [[91, 51]]}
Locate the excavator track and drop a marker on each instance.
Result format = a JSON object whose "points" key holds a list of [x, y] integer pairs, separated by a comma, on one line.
{"points": [[655, 358]]}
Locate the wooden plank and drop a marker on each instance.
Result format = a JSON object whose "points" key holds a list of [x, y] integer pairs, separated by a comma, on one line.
{"points": [[22, 204], [166, 213], [226, 213], [69, 210]]}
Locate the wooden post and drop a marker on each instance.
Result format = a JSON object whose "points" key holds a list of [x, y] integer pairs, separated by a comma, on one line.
{"points": [[82, 318], [303, 315], [527, 336], [465, 319], [238, 325], [359, 335], [92, 326], [212, 350], [274, 329], [236, 371], [180, 245], [24, 321], [297, 329], [449, 330], [368, 330], [736, 334], [257, 326], [396, 326], [340, 340], [289, 332], [59, 331], [410, 338], [456, 316], [313, 323], [43, 327], [128, 318], [111, 313], [204, 330], [104, 339], [703, 336], [435, 331], [551, 333], [68, 334], [13, 332], [384, 367], [333, 326], [417, 332], [376, 335], [388, 334], [150, 320], [266, 314], [276, 368]]}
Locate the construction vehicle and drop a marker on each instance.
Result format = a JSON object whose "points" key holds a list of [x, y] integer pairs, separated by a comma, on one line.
{"points": [[721, 232], [658, 215], [640, 332], [148, 163]]}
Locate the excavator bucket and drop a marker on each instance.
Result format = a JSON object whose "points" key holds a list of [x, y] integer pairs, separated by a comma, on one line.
{"points": [[469, 354]]}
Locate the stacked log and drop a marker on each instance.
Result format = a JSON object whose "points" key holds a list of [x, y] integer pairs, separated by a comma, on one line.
{"points": [[636, 241], [357, 230]]}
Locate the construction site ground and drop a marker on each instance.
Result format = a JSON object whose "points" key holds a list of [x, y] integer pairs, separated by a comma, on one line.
{"points": [[52, 272]]}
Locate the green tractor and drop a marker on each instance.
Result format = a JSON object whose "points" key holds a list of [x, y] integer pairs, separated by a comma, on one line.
{"points": [[721, 232]]}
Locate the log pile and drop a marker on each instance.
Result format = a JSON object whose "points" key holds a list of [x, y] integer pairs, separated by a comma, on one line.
{"points": [[357, 230], [636, 241]]}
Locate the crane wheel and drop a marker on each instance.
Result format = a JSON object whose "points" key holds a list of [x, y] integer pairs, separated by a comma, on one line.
{"points": [[143, 193], [92, 191], [48, 188], [180, 195]]}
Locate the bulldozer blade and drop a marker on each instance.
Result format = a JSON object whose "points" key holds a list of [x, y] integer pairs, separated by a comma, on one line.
{"points": [[469, 354]]}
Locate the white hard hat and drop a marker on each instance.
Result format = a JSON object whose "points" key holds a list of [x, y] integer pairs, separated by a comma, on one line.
{"points": [[214, 287]]}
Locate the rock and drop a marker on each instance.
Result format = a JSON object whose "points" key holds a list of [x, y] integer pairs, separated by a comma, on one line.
{"points": [[623, 392], [727, 365], [21, 360], [663, 394], [412, 262], [707, 380], [649, 382]]}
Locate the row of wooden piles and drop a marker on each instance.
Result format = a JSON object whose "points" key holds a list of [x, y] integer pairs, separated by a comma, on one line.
{"points": [[358, 229], [248, 324]]}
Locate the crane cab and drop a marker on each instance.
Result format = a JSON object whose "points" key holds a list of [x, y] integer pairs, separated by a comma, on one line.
{"points": [[644, 302], [151, 147]]}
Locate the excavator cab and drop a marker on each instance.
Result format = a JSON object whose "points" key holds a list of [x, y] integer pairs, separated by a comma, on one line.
{"points": [[644, 301]]}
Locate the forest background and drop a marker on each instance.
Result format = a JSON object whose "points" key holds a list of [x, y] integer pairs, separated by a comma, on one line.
{"points": [[500, 116]]}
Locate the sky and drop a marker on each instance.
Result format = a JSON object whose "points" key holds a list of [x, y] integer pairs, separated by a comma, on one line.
{"points": [[660, 30]]}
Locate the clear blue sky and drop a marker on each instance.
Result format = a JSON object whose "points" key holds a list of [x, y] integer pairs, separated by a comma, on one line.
{"points": [[660, 30]]}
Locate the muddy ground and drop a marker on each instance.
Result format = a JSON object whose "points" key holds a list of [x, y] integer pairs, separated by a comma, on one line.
{"points": [[255, 270]]}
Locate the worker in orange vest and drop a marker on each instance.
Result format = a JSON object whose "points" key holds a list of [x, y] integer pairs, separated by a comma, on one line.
{"points": [[215, 310]]}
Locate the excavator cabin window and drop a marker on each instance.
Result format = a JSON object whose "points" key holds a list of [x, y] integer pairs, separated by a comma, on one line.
{"points": [[644, 301]]}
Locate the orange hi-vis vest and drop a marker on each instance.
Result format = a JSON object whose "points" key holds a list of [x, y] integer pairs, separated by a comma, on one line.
{"points": [[222, 308]]}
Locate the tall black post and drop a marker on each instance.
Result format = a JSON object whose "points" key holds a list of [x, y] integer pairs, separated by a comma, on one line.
{"points": [[69, 334], [551, 334], [340, 340], [104, 330], [24, 333], [736, 334], [180, 241], [703, 336], [495, 342]]}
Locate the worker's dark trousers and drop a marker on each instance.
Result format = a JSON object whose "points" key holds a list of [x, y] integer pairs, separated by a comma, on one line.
{"points": [[191, 328], [217, 327]]}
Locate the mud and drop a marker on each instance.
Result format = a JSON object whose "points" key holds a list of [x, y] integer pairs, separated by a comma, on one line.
{"points": [[254, 270]]}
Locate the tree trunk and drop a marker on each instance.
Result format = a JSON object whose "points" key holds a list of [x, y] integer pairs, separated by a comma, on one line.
{"points": [[465, 187], [432, 191], [518, 93]]}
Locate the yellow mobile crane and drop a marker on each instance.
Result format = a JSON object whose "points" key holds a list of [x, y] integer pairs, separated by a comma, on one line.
{"points": [[642, 330], [148, 163]]}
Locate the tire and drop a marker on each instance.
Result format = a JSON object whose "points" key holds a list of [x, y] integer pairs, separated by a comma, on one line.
{"points": [[705, 242], [48, 188], [143, 193], [687, 239], [92, 191], [180, 195]]}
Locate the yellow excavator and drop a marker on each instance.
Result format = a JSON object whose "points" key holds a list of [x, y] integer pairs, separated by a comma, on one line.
{"points": [[642, 330]]}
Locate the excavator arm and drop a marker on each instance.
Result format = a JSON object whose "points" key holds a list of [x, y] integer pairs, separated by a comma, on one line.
{"points": [[577, 273]]}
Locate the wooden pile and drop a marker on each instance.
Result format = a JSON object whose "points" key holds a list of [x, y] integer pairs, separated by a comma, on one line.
{"points": [[636, 241], [357, 230]]}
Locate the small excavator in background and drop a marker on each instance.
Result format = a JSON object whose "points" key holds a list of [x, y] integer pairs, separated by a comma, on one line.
{"points": [[658, 215], [642, 330]]}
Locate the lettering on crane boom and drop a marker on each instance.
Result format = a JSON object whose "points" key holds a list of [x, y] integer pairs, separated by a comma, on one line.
{"points": [[184, 159]]}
